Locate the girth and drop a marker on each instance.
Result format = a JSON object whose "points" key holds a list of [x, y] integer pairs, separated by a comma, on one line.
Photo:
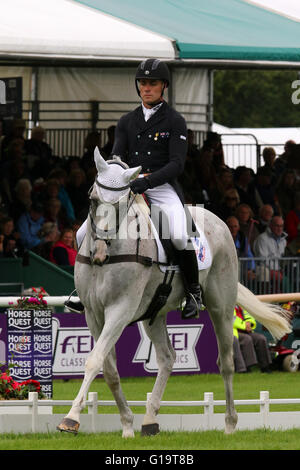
{"points": [[133, 258]]}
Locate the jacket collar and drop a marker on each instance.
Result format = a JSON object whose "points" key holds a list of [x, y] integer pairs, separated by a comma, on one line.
{"points": [[271, 234], [142, 125]]}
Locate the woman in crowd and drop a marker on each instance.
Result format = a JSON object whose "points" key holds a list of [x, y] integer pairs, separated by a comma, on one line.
{"points": [[63, 252]]}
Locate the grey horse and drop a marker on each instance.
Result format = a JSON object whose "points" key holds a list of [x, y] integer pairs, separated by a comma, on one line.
{"points": [[116, 288]]}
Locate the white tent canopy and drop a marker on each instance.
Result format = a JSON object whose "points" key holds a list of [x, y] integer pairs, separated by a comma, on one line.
{"points": [[66, 29]]}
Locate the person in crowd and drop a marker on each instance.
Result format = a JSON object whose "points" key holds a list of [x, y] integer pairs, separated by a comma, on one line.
{"points": [[242, 245], [228, 204], [254, 346], [243, 179], [77, 189], [107, 148], [205, 169], [49, 189], [55, 213], [285, 190], [269, 156], [293, 219], [239, 363], [293, 248], [224, 182], [13, 169], [63, 252], [293, 159], [22, 198], [264, 189], [38, 153], [265, 215], [10, 239], [15, 131], [213, 142], [49, 234], [61, 176], [188, 179], [281, 163], [29, 224], [271, 245], [92, 140], [248, 224]]}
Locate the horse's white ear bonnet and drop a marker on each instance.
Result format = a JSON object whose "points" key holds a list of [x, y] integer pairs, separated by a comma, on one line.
{"points": [[111, 173]]}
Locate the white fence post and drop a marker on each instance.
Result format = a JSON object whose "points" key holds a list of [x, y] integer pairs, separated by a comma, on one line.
{"points": [[93, 408], [33, 402], [209, 409], [265, 407]]}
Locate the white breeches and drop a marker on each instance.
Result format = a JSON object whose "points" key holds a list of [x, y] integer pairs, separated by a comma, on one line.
{"points": [[165, 199]]}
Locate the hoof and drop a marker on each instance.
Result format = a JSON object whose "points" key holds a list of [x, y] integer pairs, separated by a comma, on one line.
{"points": [[150, 429], [68, 425]]}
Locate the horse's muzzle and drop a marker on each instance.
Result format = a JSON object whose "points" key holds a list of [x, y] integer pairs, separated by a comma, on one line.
{"points": [[100, 254]]}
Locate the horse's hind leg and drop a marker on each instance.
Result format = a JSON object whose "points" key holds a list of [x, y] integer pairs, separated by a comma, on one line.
{"points": [[165, 357], [112, 378], [220, 301]]}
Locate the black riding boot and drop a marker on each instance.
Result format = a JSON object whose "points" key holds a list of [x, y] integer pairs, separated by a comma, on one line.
{"points": [[189, 269], [76, 307]]}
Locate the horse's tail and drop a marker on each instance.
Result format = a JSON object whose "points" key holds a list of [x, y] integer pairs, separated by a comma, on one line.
{"points": [[272, 316]]}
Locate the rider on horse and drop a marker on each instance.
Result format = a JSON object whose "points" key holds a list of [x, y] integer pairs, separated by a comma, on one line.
{"points": [[154, 136]]}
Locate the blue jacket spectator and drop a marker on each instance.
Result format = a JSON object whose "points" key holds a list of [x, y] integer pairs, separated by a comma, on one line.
{"points": [[29, 225]]}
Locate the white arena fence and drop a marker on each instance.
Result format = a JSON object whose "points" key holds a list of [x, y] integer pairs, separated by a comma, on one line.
{"points": [[34, 415], [35, 420]]}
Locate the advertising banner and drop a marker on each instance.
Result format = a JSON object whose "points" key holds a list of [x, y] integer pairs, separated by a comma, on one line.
{"points": [[29, 346], [194, 342]]}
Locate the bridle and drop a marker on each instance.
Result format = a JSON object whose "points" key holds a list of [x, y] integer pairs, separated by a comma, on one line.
{"points": [[105, 235]]}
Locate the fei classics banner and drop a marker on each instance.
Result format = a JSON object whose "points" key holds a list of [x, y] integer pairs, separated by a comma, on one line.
{"points": [[29, 346]]}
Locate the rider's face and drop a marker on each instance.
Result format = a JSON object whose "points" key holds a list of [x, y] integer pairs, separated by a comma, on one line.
{"points": [[151, 91]]}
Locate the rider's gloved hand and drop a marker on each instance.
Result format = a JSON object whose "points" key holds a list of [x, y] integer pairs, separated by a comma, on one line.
{"points": [[140, 185]]}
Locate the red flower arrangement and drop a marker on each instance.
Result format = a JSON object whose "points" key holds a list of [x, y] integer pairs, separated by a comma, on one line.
{"points": [[10, 389], [35, 302]]}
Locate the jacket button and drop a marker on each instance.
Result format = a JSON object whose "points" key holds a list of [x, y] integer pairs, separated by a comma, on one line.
{"points": [[149, 136], [149, 153], [136, 153]]}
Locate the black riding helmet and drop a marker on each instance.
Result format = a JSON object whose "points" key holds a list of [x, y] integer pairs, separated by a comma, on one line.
{"points": [[153, 69]]}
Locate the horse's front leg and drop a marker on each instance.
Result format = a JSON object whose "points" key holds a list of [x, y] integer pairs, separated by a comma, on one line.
{"points": [[165, 356], [110, 334]]}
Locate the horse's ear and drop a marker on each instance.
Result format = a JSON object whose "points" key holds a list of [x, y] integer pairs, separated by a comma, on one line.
{"points": [[100, 163], [132, 173]]}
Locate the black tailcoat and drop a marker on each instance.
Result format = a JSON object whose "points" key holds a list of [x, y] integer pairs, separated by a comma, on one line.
{"points": [[158, 145]]}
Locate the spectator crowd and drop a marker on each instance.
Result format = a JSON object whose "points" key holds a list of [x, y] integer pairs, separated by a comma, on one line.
{"points": [[44, 198]]}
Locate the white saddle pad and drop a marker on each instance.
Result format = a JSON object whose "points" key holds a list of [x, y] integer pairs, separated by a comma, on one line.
{"points": [[201, 247]]}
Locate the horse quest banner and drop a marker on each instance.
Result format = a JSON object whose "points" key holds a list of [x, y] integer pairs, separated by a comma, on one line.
{"points": [[194, 342], [29, 346]]}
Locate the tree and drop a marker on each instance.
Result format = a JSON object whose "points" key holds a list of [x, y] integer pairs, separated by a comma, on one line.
{"points": [[255, 98]]}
